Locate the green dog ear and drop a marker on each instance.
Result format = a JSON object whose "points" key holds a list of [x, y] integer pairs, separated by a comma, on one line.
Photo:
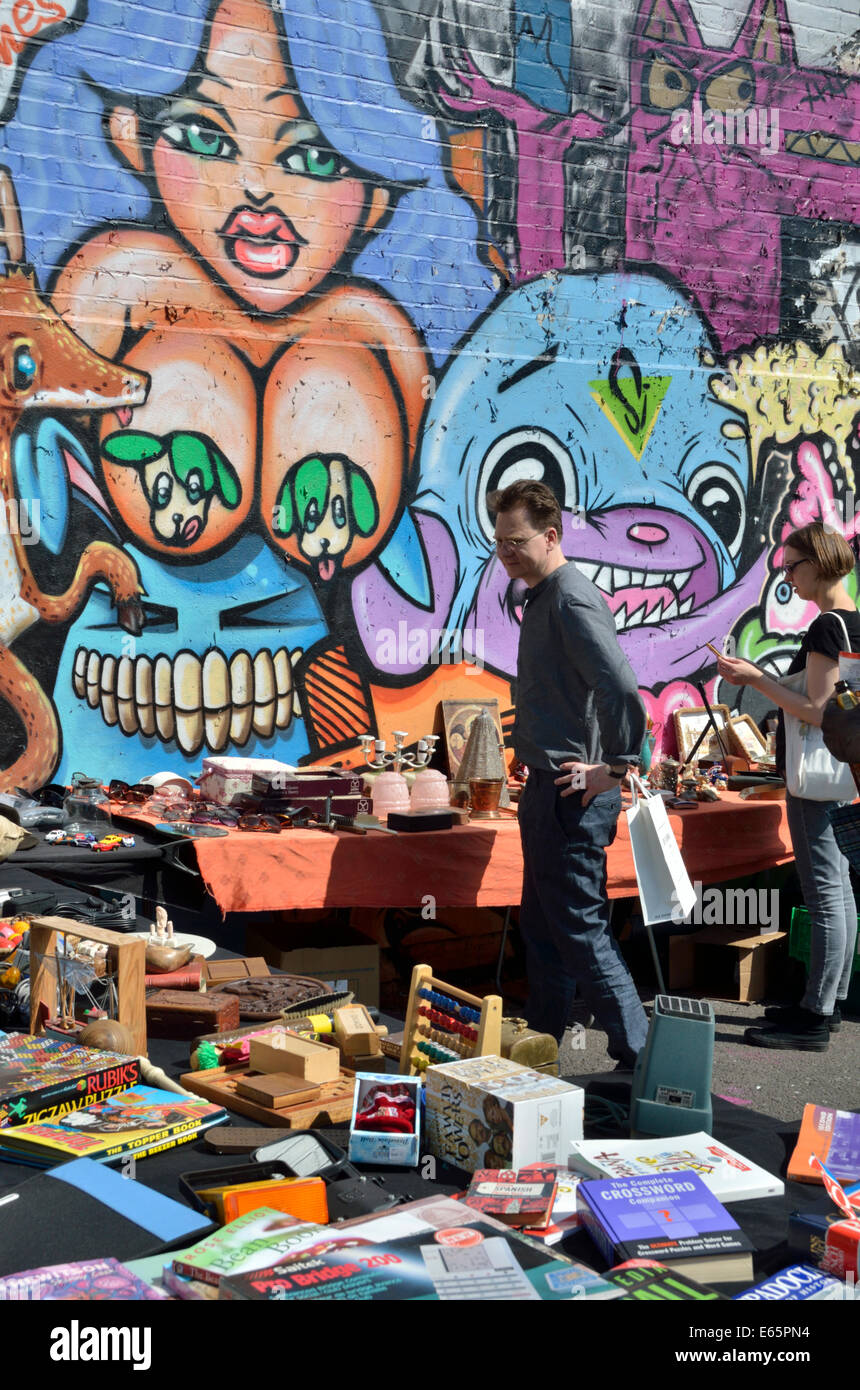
{"points": [[226, 479], [132, 446], [363, 501], [284, 519]]}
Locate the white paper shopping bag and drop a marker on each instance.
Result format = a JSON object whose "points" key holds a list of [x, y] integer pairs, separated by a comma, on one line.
{"points": [[665, 890]]}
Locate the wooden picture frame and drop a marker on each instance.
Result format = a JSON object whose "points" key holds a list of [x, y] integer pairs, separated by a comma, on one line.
{"points": [[689, 723], [749, 740], [458, 716]]}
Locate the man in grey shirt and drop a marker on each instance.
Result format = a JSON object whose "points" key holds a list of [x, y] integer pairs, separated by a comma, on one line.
{"points": [[580, 725]]}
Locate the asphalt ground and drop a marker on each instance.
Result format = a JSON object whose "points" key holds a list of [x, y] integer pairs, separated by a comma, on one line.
{"points": [[771, 1082]]}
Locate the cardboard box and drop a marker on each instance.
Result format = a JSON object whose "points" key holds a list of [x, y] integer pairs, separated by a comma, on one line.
{"points": [[487, 1112], [224, 778], [353, 967], [726, 964], [377, 1146]]}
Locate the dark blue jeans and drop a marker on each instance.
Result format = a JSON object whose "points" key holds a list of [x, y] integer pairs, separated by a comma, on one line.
{"points": [[564, 918]]}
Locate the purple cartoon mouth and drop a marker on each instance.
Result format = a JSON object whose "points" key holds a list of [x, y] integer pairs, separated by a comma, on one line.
{"points": [[647, 597]]}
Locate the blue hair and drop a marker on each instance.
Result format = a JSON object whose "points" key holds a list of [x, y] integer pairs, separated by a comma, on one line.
{"points": [[70, 182]]}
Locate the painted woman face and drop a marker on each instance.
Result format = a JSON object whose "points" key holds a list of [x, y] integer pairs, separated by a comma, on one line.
{"points": [[246, 176]]}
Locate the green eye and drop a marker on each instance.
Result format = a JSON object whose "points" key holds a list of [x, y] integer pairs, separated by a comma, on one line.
{"points": [[197, 137], [310, 159]]}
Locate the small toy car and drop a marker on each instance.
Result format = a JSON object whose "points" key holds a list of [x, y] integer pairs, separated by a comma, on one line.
{"points": [[109, 843], [58, 837]]}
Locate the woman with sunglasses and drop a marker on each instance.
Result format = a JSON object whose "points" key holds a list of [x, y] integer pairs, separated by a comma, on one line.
{"points": [[815, 562]]}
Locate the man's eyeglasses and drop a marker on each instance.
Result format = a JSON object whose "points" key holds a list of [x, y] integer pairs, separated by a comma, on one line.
{"points": [[515, 542], [788, 569]]}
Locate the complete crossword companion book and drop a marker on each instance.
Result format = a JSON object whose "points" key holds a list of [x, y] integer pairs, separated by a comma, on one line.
{"points": [[673, 1218]]}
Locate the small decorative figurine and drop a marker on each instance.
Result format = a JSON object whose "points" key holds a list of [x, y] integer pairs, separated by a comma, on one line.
{"points": [[162, 952]]}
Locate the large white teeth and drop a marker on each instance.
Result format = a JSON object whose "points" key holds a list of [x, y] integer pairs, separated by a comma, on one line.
{"points": [[107, 686], [588, 569], [216, 698], [680, 579], [188, 701], [620, 579], [242, 683], [686, 606], [671, 611], [653, 580], [603, 579], [127, 712], [144, 695], [213, 703], [621, 618], [165, 721]]}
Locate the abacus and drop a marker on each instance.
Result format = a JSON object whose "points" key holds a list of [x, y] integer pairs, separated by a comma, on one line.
{"points": [[444, 1024]]}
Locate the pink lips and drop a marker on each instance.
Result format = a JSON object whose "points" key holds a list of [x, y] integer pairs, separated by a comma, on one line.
{"points": [[263, 243]]}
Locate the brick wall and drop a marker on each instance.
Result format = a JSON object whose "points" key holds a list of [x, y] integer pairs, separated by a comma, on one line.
{"points": [[298, 285]]}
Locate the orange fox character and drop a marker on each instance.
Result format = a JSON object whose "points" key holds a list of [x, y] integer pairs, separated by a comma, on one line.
{"points": [[45, 366]]}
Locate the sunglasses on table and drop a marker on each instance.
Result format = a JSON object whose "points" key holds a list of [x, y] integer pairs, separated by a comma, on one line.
{"points": [[122, 791]]}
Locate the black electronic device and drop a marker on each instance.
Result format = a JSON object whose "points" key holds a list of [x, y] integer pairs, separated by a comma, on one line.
{"points": [[307, 1154]]}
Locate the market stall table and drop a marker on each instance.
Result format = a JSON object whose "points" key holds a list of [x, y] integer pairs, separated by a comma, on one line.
{"points": [[478, 865]]}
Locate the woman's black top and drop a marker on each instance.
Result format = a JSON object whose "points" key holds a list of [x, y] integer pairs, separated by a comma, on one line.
{"points": [[823, 635]]}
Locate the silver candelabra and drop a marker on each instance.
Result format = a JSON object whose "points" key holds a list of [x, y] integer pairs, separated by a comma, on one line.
{"points": [[376, 757]]}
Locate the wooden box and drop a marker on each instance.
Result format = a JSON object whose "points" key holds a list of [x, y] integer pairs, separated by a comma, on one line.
{"points": [[296, 1056], [183, 1014], [355, 1033]]}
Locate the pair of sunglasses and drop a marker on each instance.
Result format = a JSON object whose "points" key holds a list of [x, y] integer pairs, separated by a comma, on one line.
{"points": [[121, 791], [267, 824]]}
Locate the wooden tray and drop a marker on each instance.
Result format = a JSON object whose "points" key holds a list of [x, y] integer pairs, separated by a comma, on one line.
{"points": [[334, 1106]]}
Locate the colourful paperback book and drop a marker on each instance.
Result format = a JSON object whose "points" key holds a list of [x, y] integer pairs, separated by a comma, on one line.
{"points": [[252, 1241], [673, 1218], [649, 1281], [831, 1135], [42, 1079], [797, 1283], [730, 1176], [482, 1261], [139, 1121], [514, 1198], [86, 1280]]}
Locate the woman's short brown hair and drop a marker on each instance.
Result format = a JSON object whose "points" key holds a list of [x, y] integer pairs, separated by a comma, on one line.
{"points": [[826, 548], [540, 503]]}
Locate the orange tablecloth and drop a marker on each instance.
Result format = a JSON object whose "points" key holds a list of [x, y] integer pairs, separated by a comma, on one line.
{"points": [[478, 865]]}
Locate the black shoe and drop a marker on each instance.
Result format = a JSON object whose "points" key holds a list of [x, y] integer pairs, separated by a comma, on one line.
{"points": [[805, 1032], [787, 1014]]}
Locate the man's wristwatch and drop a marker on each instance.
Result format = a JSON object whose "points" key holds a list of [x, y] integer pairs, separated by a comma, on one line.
{"points": [[618, 771]]}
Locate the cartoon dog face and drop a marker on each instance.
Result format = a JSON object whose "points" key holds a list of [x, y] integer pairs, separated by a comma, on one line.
{"points": [[326, 501], [180, 475]]}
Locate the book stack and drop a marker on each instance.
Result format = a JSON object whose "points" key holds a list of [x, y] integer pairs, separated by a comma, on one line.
{"points": [[139, 1121], [43, 1079]]}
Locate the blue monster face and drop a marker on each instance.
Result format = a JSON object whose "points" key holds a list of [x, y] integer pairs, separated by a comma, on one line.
{"points": [[210, 673], [599, 386]]}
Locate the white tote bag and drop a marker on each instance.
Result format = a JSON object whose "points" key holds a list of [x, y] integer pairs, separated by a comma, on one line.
{"points": [[665, 890], [811, 771]]}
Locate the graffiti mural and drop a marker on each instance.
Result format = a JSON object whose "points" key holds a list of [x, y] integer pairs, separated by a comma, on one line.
{"points": [[356, 265]]}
